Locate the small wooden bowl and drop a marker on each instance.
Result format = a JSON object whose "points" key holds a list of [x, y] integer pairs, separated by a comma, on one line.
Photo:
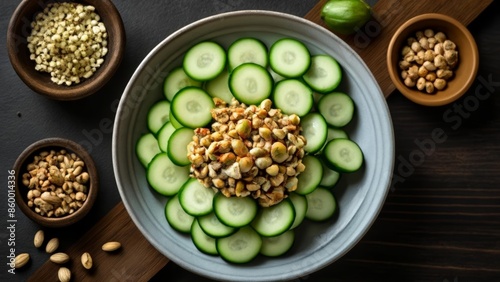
{"points": [[464, 73], [27, 156], [19, 55]]}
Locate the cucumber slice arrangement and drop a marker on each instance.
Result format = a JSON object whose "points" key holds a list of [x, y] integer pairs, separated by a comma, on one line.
{"points": [[174, 121], [292, 96], [277, 245], [175, 81], [158, 115], [218, 87], [203, 242], [164, 176], [247, 50], [289, 57], [311, 176], [315, 130], [177, 145], [235, 211], [240, 247], [236, 228], [164, 135], [191, 107], [337, 108], [177, 217], [211, 225], [146, 148], [343, 155], [204, 61], [275, 220], [321, 204], [324, 75], [300, 206], [250, 83], [195, 198]]}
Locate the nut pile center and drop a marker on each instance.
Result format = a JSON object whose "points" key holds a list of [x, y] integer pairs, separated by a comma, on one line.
{"points": [[251, 150]]}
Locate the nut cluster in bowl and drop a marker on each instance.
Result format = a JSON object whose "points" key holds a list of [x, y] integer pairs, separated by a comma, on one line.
{"points": [[428, 61], [463, 74], [66, 50], [251, 150], [56, 182]]}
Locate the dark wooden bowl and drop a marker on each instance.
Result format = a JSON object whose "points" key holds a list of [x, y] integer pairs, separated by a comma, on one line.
{"points": [[21, 190], [20, 27]]}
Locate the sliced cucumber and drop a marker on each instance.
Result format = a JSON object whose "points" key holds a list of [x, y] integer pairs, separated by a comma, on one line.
{"points": [[289, 57], [204, 61], [330, 177], [277, 245], [343, 155], [158, 115], [241, 247], [250, 83], [310, 178], [173, 121], [219, 87], [315, 130], [337, 108], [202, 241], [176, 80], [321, 204], [192, 107], [212, 226], [235, 211], [324, 74], [300, 205], [164, 176], [176, 216], [164, 134], [247, 50], [195, 198], [146, 148], [177, 145], [336, 133], [274, 220], [292, 96]]}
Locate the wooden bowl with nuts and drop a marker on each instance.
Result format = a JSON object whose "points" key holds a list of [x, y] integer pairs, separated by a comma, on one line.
{"points": [[56, 182], [432, 59], [66, 50]]}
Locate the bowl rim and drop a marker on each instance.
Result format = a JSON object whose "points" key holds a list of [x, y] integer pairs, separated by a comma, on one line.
{"points": [[423, 99], [75, 91], [121, 131], [93, 188]]}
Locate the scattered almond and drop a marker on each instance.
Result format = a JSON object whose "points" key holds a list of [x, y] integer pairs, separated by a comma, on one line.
{"points": [[38, 240], [111, 246], [51, 199], [59, 258], [64, 274], [52, 245], [86, 260], [21, 260]]}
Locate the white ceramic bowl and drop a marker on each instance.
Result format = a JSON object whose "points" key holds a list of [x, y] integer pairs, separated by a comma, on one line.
{"points": [[360, 195]]}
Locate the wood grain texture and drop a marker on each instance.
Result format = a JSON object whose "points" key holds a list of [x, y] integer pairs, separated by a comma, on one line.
{"points": [[371, 40], [136, 260]]}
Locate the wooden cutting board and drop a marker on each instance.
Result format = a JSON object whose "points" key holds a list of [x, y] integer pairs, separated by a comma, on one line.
{"points": [[137, 260]]}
